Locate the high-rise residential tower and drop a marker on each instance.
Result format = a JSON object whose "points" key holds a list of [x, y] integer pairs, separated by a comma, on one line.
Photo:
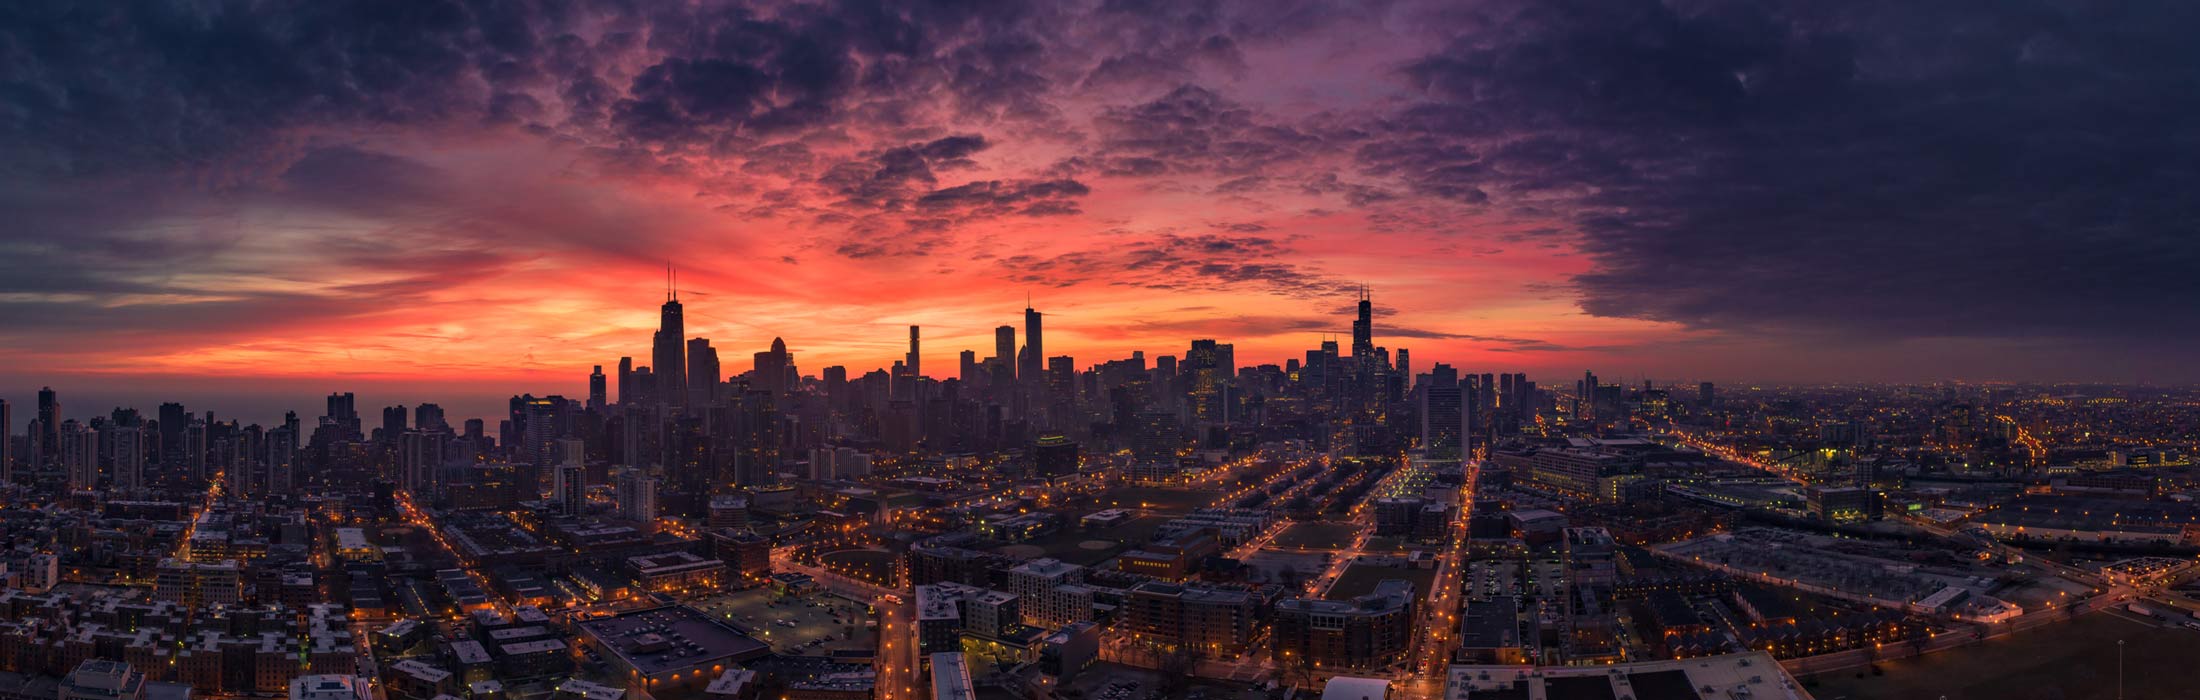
{"points": [[49, 426]]}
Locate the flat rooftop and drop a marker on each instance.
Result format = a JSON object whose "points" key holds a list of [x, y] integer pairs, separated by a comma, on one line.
{"points": [[671, 639], [1746, 675]]}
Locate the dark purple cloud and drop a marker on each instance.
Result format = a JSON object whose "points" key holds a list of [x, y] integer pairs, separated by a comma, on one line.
{"points": [[1888, 169]]}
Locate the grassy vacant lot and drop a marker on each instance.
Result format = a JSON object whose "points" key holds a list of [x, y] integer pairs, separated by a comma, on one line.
{"points": [[1394, 545], [1360, 579], [2073, 660], [1068, 545], [1315, 535]]}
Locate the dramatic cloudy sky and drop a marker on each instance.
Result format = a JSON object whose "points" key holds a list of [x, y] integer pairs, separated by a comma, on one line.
{"points": [[481, 197]]}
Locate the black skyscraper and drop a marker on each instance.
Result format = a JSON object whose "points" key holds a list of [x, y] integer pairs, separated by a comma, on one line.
{"points": [[7, 442], [172, 421], [1035, 349], [430, 417], [702, 372], [1363, 331], [770, 368], [1004, 348], [915, 360], [393, 423], [343, 412], [597, 390], [627, 385], [669, 354], [49, 426]]}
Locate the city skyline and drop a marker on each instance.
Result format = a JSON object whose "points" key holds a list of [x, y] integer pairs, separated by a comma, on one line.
{"points": [[495, 212], [222, 394], [268, 408]]}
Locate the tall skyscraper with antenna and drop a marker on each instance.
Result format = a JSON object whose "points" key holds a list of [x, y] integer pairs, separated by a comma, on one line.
{"points": [[914, 361], [1363, 330], [1035, 353], [669, 352]]}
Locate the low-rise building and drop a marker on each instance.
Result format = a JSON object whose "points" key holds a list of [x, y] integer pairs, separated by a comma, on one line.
{"points": [[329, 686], [669, 649], [1368, 632], [1215, 621], [101, 679]]}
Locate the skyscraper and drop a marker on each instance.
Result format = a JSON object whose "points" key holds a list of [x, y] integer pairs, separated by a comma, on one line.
{"points": [[1405, 368], [597, 390], [626, 381], [916, 368], [77, 451], [343, 412], [771, 368], [1004, 349], [1062, 379], [421, 457], [1442, 412], [7, 442], [568, 488], [1035, 348], [702, 373], [172, 420], [536, 431], [126, 441], [1363, 332], [836, 385], [667, 354], [194, 448], [393, 422], [637, 495], [49, 426], [429, 416]]}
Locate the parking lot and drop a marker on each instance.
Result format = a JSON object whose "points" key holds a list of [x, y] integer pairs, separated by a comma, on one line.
{"points": [[808, 625]]}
